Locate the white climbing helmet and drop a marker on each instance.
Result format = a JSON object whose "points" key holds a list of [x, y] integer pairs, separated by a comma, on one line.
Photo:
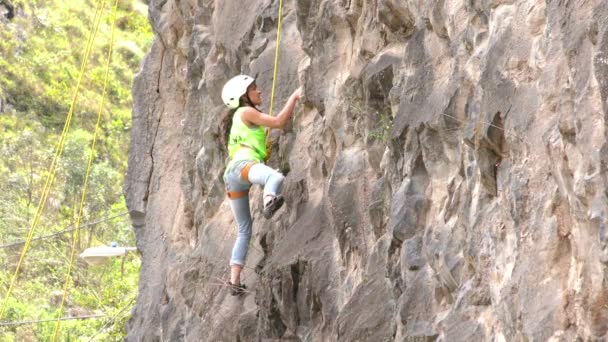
{"points": [[234, 89]]}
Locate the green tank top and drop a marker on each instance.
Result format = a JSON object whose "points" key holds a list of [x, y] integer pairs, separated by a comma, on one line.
{"points": [[241, 135]]}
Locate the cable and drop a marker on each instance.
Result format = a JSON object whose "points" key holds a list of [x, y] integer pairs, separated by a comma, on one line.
{"points": [[90, 225], [7, 324], [67, 230], [113, 319], [83, 279], [489, 124], [59, 151], [88, 172]]}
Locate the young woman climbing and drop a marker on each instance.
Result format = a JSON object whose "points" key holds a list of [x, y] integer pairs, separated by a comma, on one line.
{"points": [[247, 151]]}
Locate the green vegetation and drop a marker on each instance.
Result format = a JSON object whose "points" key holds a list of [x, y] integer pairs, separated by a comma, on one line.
{"points": [[380, 122], [41, 51], [383, 127]]}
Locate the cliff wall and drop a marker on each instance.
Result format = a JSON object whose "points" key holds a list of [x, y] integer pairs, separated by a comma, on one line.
{"points": [[446, 172]]}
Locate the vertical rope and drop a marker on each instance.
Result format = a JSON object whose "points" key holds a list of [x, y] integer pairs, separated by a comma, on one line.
{"points": [[88, 172], [276, 57], [58, 152], [274, 77]]}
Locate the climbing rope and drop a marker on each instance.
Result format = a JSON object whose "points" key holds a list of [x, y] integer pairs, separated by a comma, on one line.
{"points": [[88, 172], [58, 152], [274, 78]]}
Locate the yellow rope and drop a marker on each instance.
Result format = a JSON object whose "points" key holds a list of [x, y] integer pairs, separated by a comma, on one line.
{"points": [[58, 152], [274, 78], [88, 172]]}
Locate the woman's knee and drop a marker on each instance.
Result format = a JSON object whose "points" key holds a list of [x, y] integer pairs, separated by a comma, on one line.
{"points": [[244, 235], [278, 177], [245, 228]]}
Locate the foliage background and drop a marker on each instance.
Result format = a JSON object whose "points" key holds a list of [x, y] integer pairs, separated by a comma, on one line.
{"points": [[41, 50]]}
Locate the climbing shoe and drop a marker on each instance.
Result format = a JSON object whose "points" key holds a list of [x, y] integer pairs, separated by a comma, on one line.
{"points": [[237, 290], [272, 206]]}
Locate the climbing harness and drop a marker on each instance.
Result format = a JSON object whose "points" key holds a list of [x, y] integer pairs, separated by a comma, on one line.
{"points": [[245, 176], [245, 171], [237, 194]]}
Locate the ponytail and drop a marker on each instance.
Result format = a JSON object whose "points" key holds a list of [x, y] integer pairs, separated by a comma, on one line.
{"points": [[225, 126], [226, 120]]}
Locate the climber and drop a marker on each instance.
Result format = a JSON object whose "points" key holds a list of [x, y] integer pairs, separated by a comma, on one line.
{"points": [[247, 151]]}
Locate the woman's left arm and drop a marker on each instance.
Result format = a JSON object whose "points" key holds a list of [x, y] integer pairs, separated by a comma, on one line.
{"points": [[254, 117]]}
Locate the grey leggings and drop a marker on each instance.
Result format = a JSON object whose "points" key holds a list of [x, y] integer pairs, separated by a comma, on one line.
{"points": [[260, 174]]}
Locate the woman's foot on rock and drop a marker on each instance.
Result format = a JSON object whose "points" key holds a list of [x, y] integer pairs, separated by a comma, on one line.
{"points": [[272, 206], [237, 290]]}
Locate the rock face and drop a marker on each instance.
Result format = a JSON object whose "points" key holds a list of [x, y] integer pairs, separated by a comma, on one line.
{"points": [[446, 172], [7, 10]]}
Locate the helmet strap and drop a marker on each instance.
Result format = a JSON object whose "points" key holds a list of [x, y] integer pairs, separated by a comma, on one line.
{"points": [[248, 102]]}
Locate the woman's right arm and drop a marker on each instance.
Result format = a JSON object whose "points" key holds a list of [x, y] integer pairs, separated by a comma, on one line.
{"points": [[251, 115]]}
